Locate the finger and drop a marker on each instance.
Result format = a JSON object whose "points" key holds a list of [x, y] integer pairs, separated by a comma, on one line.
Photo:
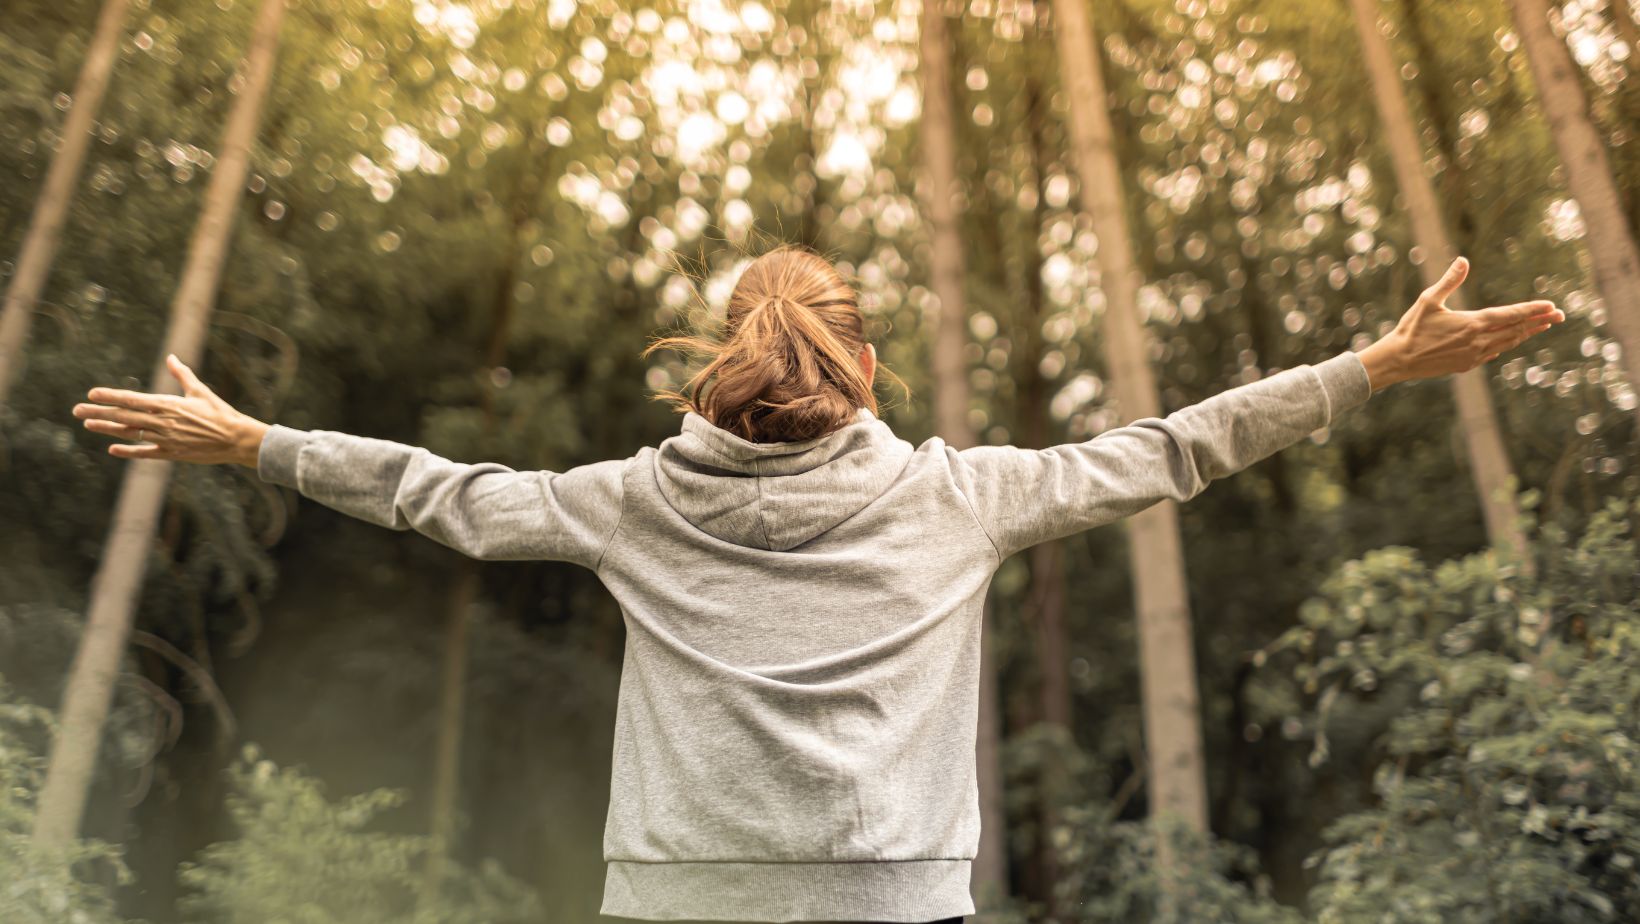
{"points": [[136, 400], [1448, 283], [1503, 343], [191, 385], [1505, 316], [117, 430], [136, 451], [119, 415]]}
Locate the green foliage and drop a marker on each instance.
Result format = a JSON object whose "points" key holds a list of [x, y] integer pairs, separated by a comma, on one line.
{"points": [[1112, 874], [306, 859], [1108, 868], [36, 888], [1507, 781]]}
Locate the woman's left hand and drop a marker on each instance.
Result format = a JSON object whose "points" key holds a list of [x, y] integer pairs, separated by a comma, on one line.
{"points": [[195, 426], [1433, 340]]}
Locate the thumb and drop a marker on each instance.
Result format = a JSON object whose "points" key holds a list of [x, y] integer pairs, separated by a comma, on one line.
{"points": [[191, 385], [1449, 282]]}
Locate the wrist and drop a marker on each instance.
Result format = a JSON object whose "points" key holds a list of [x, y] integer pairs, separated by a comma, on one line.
{"points": [[248, 445], [1383, 362]]}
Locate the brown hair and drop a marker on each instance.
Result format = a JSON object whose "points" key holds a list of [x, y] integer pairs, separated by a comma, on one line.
{"points": [[787, 365]]}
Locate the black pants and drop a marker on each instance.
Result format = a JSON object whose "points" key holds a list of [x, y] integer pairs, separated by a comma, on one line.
{"points": [[956, 920], [608, 917], [942, 921]]}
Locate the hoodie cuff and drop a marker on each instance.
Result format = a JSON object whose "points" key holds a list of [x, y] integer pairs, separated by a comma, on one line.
{"points": [[276, 460], [1345, 382]]}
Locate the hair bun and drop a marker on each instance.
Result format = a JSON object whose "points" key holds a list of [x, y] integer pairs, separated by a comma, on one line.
{"points": [[792, 372]]}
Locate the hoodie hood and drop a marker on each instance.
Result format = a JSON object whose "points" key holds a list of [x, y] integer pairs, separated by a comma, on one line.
{"points": [[776, 496]]}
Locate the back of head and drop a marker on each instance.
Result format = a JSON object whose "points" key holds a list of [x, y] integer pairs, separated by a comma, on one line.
{"points": [[787, 366]]}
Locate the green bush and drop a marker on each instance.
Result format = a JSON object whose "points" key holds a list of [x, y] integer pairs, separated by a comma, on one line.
{"points": [[1507, 785], [304, 859], [36, 888], [1111, 874], [1108, 869]]}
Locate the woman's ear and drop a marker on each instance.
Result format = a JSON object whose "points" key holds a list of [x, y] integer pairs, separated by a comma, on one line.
{"points": [[868, 363]]}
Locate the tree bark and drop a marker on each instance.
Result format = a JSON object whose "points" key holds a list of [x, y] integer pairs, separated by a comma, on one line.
{"points": [[1172, 716], [1488, 458], [1454, 182], [1045, 601], [1266, 343], [1047, 576], [118, 581], [1628, 108], [452, 704], [940, 201], [465, 592], [45, 228], [1607, 234], [810, 230], [937, 140], [1628, 30]]}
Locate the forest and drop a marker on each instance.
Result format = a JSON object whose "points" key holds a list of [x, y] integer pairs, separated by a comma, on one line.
{"points": [[1390, 674]]}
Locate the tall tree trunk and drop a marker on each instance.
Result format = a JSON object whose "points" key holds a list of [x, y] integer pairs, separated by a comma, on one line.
{"points": [[1454, 192], [1045, 601], [451, 709], [1628, 108], [948, 265], [937, 140], [810, 231], [1627, 29], [1607, 234], [1266, 345], [118, 582], [1177, 774], [465, 592], [1046, 572], [1488, 460], [45, 228]]}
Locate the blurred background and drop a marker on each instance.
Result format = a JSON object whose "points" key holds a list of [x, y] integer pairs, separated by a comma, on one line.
{"points": [[458, 224]]}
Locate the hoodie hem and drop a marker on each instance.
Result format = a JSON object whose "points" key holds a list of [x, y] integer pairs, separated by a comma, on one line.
{"points": [[909, 891]]}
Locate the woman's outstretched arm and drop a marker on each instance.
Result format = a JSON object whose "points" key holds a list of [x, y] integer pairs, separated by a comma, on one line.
{"points": [[1025, 496], [485, 510]]}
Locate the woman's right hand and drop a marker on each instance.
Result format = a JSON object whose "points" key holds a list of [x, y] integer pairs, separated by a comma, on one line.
{"points": [[195, 426], [1433, 340]]}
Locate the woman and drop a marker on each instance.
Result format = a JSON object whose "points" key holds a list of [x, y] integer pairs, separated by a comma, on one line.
{"points": [[802, 590]]}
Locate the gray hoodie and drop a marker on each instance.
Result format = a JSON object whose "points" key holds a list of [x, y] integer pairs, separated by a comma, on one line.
{"points": [[795, 731]]}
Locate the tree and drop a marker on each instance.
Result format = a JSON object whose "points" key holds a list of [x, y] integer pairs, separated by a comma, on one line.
{"points": [[142, 493], [937, 137], [467, 588], [1044, 605], [452, 700], [51, 210], [1172, 718], [1610, 239], [1628, 28], [1478, 419], [1506, 756]]}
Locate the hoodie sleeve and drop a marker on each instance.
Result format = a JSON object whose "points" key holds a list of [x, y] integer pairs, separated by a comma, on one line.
{"points": [[485, 510], [1025, 496]]}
